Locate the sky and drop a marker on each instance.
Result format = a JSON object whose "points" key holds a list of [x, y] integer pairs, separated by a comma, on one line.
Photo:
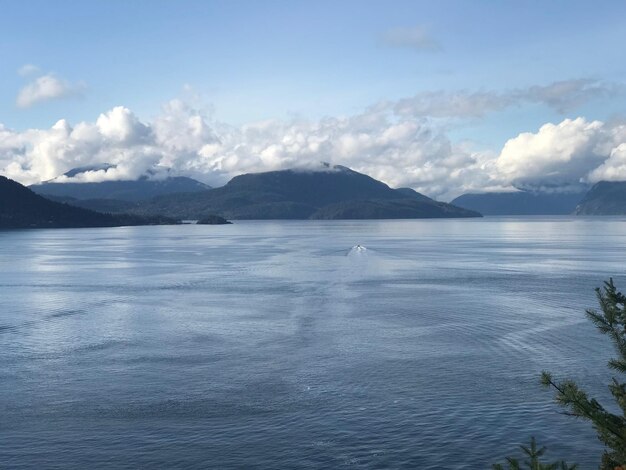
{"points": [[442, 96]]}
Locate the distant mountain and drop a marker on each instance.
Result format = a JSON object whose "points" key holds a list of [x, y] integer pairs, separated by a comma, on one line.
{"points": [[411, 193], [390, 209], [604, 198], [331, 193], [99, 205], [133, 190], [22, 208], [520, 203]]}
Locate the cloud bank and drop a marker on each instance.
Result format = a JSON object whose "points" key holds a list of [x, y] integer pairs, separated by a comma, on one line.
{"points": [[403, 152], [401, 143]]}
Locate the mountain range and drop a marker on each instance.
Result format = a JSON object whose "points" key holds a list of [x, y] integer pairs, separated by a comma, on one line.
{"points": [[333, 192], [22, 208], [144, 188], [330, 192], [521, 202], [604, 198]]}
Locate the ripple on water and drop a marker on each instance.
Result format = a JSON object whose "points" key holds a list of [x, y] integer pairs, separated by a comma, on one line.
{"points": [[275, 345]]}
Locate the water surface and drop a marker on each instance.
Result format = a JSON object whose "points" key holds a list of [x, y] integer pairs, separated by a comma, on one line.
{"points": [[274, 345]]}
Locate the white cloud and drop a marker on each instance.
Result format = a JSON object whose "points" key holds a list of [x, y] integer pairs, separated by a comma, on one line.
{"points": [[613, 169], [456, 104], [28, 69], [44, 88], [561, 96], [567, 153], [398, 147], [117, 137], [416, 38], [402, 152], [556, 153], [120, 125], [565, 95]]}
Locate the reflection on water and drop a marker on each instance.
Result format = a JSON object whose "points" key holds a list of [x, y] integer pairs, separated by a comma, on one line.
{"points": [[367, 344]]}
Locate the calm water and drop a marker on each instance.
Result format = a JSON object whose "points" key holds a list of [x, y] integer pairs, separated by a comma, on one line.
{"points": [[273, 345]]}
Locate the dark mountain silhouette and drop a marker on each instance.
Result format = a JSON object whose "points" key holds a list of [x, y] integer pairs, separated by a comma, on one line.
{"points": [[411, 193], [98, 205], [604, 198], [335, 192], [521, 202], [22, 208], [390, 209]]}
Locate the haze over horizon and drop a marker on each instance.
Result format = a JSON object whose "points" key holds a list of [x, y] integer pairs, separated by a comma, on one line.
{"points": [[446, 97]]}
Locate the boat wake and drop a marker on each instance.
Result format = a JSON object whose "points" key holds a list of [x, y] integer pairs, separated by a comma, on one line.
{"points": [[357, 250]]}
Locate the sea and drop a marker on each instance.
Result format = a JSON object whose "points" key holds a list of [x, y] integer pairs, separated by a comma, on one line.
{"points": [[413, 344]]}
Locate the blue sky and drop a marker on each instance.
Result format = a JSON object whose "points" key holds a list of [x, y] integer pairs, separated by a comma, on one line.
{"points": [[245, 61]]}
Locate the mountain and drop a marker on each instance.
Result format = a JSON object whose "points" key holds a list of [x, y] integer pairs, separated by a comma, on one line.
{"points": [[332, 193], [132, 190], [22, 208], [99, 205], [411, 193], [520, 203], [604, 198], [390, 209]]}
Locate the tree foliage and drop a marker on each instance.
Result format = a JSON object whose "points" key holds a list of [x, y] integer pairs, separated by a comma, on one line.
{"points": [[610, 427], [533, 462], [610, 320]]}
